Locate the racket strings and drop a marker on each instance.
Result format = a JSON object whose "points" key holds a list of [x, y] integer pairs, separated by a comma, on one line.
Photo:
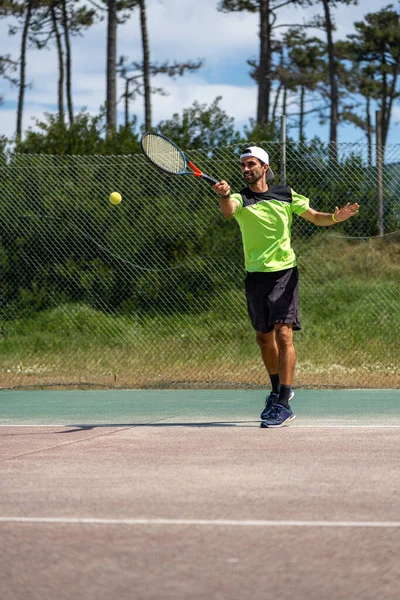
{"points": [[163, 154]]}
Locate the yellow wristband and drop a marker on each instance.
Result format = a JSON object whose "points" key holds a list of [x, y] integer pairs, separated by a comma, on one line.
{"points": [[333, 218]]}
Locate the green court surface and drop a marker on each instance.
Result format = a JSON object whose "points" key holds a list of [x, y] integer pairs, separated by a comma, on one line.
{"points": [[197, 407]]}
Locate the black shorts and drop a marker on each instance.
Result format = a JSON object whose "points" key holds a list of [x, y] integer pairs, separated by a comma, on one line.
{"points": [[273, 298]]}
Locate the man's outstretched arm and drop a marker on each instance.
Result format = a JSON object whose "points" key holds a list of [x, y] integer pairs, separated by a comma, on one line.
{"points": [[326, 219]]}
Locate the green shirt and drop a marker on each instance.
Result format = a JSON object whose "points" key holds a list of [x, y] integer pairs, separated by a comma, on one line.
{"points": [[265, 220]]}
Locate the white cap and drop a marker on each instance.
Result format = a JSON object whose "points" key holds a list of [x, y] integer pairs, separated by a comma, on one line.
{"points": [[261, 155]]}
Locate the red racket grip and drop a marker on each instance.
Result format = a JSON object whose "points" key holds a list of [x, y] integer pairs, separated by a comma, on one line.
{"points": [[198, 173]]}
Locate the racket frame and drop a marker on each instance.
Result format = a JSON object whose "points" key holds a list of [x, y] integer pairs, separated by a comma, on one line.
{"points": [[187, 163]]}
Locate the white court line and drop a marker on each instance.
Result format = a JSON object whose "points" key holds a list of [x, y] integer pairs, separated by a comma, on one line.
{"points": [[296, 426], [216, 423], [198, 522]]}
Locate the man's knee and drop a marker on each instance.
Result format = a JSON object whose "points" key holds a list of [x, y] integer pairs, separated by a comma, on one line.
{"points": [[264, 340], [284, 334]]}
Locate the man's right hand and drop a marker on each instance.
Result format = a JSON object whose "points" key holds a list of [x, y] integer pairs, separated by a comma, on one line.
{"points": [[222, 188]]}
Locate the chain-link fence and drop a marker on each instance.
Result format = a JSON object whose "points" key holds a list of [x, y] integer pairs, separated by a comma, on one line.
{"points": [[150, 293]]}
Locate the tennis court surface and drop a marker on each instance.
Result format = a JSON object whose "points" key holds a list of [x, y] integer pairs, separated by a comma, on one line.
{"points": [[179, 494]]}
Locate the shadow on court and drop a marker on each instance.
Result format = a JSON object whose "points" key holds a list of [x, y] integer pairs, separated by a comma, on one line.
{"points": [[179, 424], [180, 495]]}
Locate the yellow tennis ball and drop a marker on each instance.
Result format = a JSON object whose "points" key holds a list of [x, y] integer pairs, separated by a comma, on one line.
{"points": [[115, 198]]}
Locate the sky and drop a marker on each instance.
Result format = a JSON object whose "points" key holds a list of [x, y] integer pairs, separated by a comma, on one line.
{"points": [[179, 30]]}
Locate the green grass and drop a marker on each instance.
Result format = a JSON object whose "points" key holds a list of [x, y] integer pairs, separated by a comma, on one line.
{"points": [[350, 311], [341, 325]]}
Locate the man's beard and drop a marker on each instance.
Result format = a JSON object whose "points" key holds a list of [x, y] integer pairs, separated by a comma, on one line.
{"points": [[253, 178]]}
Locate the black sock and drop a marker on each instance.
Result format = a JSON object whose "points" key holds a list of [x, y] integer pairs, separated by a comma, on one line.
{"points": [[284, 394], [275, 383]]}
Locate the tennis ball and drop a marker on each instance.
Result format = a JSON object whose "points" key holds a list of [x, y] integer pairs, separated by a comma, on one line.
{"points": [[115, 198]]}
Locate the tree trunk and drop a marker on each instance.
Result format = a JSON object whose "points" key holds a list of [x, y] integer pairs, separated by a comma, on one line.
{"points": [[111, 93], [126, 103], [60, 64], [301, 119], [333, 86], [369, 130], [384, 105], [284, 101], [68, 63], [275, 107], [22, 70], [146, 66], [387, 114], [264, 83]]}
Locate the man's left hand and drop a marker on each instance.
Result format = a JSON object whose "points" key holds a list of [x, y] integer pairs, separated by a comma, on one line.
{"points": [[348, 210]]}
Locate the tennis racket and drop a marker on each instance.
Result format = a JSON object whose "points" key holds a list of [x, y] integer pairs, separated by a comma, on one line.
{"points": [[169, 158]]}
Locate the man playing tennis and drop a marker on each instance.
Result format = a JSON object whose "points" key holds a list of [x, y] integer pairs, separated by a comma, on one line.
{"points": [[264, 213]]}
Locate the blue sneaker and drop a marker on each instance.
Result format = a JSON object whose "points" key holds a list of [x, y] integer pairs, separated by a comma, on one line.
{"points": [[270, 401], [278, 416]]}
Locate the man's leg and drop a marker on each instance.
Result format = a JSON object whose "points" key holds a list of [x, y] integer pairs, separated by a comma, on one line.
{"points": [[287, 360], [269, 351], [280, 413], [286, 351], [270, 357], [278, 352], [267, 307]]}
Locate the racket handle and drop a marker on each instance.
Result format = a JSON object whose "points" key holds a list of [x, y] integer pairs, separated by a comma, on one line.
{"points": [[209, 179]]}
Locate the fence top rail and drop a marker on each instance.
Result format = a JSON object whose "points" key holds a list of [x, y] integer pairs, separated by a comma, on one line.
{"points": [[313, 147]]}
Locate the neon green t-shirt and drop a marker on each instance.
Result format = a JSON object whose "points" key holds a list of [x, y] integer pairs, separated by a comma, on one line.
{"points": [[265, 220]]}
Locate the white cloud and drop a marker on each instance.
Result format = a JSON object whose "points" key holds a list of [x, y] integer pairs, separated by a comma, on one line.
{"points": [[178, 30], [344, 16], [8, 120], [237, 101], [192, 29], [32, 113]]}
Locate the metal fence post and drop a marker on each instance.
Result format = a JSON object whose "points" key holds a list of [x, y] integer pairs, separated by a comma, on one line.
{"points": [[379, 170], [283, 150]]}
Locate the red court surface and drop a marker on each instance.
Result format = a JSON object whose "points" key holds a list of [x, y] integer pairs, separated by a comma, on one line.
{"points": [[180, 495]]}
